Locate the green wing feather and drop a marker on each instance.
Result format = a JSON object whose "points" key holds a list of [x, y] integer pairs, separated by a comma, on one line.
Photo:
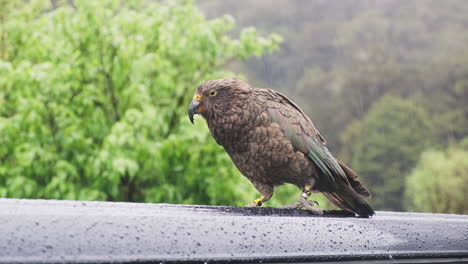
{"points": [[298, 128], [320, 155], [300, 131]]}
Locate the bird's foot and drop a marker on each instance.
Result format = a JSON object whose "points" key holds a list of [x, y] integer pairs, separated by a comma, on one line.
{"points": [[309, 206], [296, 205], [306, 205]]}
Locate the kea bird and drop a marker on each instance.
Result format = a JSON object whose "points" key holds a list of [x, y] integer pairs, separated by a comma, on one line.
{"points": [[273, 142]]}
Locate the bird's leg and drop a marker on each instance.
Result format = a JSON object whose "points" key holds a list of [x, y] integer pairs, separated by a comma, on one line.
{"points": [[304, 203], [265, 190], [309, 205], [258, 201], [306, 193]]}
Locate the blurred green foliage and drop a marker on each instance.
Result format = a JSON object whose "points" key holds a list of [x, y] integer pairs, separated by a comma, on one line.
{"points": [[439, 182], [93, 101]]}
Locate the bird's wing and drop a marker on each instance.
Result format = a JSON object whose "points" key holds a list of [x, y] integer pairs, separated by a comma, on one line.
{"points": [[299, 129]]}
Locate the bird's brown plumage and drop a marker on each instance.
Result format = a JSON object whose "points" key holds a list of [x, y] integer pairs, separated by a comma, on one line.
{"points": [[272, 142]]}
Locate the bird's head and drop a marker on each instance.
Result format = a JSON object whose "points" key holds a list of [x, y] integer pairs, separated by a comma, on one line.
{"points": [[217, 96]]}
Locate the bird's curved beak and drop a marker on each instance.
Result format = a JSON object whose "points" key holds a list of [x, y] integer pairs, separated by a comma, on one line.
{"points": [[194, 106]]}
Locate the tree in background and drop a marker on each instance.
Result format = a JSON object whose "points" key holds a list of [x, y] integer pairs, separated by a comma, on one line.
{"points": [[93, 100], [446, 97], [439, 182], [394, 130], [93, 96]]}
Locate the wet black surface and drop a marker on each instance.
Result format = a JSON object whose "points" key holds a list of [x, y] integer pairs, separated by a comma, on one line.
{"points": [[102, 232]]}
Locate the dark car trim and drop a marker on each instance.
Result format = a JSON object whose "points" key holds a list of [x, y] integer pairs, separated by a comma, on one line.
{"points": [[50, 231]]}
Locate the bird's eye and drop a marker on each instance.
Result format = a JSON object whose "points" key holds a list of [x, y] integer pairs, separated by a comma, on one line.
{"points": [[212, 93]]}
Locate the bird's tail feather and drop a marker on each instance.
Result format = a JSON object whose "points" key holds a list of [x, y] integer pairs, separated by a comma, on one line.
{"points": [[352, 178], [349, 200]]}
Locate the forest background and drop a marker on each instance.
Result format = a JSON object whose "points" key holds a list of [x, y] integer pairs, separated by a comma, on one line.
{"points": [[94, 95]]}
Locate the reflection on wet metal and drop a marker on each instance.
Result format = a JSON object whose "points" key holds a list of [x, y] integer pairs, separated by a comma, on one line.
{"points": [[75, 231]]}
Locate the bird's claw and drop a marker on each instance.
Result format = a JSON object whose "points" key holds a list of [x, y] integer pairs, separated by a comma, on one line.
{"points": [[306, 205], [309, 206]]}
